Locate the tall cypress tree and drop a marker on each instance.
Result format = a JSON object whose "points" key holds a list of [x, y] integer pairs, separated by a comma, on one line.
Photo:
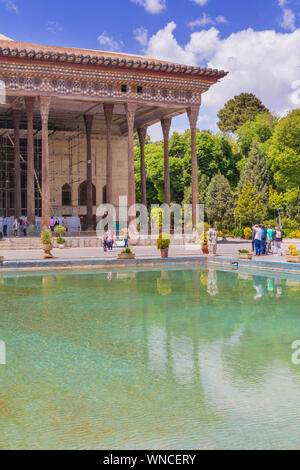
{"points": [[219, 201], [256, 172]]}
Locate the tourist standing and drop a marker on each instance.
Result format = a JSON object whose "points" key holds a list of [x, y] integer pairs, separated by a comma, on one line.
{"points": [[277, 242], [16, 227], [126, 235], [109, 239], [212, 240], [257, 240], [52, 224], [253, 237], [264, 234], [269, 240], [4, 225]]}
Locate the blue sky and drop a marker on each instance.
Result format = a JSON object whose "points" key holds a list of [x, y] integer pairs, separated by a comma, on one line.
{"points": [[257, 41]]}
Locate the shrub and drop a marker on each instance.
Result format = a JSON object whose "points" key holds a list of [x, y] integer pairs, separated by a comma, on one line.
{"points": [[203, 238], [244, 251], [60, 230], [237, 233], [163, 241], [46, 237], [248, 232], [220, 233], [294, 234], [127, 251]]}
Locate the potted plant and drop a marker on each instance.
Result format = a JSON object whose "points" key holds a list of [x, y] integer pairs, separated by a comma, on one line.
{"points": [[245, 254], [294, 255], [60, 231], [163, 244], [247, 233], [204, 243], [47, 243], [126, 254]]}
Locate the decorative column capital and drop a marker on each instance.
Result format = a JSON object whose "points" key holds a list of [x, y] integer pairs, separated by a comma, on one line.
{"points": [[166, 125], [44, 108], [88, 120], [17, 113], [108, 113], [130, 109], [193, 113], [29, 104]]}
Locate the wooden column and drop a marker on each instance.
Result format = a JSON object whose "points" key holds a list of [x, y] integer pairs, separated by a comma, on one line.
{"points": [[166, 124], [17, 112], [88, 119], [108, 112], [130, 114], [29, 101], [193, 113], [142, 132], [44, 110]]}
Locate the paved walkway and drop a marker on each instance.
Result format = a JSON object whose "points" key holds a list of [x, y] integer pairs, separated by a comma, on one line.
{"points": [[226, 249]]}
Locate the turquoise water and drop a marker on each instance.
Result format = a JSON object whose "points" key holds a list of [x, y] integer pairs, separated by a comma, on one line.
{"points": [[176, 359]]}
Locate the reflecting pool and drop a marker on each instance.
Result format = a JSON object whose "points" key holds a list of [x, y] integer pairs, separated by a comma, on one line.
{"points": [[149, 359]]}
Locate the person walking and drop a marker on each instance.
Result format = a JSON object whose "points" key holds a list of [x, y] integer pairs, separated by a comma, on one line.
{"points": [[212, 240], [126, 235], [257, 240], [277, 241], [4, 225]]}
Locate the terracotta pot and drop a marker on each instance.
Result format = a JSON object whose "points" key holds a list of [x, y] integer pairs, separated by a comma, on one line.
{"points": [[1, 259], [47, 248], [205, 249], [247, 237], [126, 256], [293, 259], [164, 252], [245, 256]]}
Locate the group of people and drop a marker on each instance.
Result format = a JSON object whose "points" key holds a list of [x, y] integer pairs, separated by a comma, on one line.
{"points": [[108, 241], [266, 241], [19, 227], [54, 222]]}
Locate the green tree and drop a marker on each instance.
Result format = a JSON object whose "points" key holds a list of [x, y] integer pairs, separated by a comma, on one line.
{"points": [[249, 208], [256, 172], [284, 152], [260, 128], [219, 201], [239, 110]]}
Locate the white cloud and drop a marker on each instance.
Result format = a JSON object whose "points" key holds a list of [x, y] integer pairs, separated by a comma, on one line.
{"points": [[288, 18], [152, 6], [10, 5], [141, 35], [257, 61], [207, 20], [109, 42], [54, 27], [200, 2]]}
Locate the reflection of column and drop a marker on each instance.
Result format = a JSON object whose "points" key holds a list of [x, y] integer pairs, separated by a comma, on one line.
{"points": [[17, 112], [193, 113], [130, 113], [29, 101], [44, 110], [142, 132], [108, 112], [88, 119], [166, 124]]}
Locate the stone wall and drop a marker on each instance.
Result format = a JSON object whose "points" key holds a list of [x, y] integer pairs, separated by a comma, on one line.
{"points": [[68, 165]]}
